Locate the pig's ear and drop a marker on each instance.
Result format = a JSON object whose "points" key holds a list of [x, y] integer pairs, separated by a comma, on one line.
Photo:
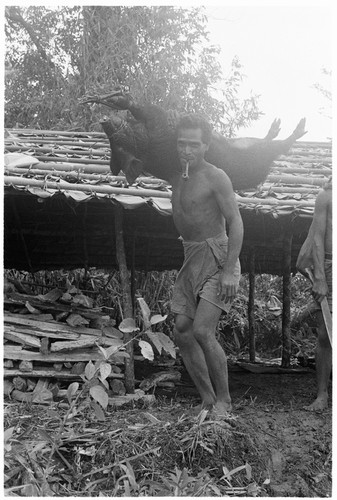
{"points": [[133, 169]]}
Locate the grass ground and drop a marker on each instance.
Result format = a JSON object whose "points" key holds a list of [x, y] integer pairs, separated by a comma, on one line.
{"points": [[268, 446]]}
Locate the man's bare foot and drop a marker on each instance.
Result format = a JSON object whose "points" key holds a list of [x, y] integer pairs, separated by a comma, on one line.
{"points": [[222, 408], [197, 409], [320, 403]]}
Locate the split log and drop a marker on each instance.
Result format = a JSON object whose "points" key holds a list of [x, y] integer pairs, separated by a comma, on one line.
{"points": [[94, 354], [51, 374], [21, 338], [85, 341]]}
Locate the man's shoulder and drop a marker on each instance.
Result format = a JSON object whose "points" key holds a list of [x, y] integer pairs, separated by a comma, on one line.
{"points": [[215, 174]]}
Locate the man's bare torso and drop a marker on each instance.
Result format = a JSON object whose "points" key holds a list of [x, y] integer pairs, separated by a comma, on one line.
{"points": [[196, 213]]}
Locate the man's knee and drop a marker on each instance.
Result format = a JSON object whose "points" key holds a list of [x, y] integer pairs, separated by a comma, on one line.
{"points": [[203, 333], [182, 329]]}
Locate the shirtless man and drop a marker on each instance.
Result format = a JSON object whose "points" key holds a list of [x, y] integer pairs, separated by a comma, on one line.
{"points": [[203, 204], [317, 253]]}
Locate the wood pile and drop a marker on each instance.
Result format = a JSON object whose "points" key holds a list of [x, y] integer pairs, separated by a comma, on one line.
{"points": [[52, 337], [49, 339]]}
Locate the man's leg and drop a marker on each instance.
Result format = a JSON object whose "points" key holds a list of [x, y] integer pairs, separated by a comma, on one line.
{"points": [[204, 327], [194, 359], [323, 366]]}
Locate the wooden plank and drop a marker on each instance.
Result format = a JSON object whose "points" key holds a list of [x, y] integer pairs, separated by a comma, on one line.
{"points": [[85, 341], [94, 354], [49, 326], [21, 299], [22, 338], [33, 332], [50, 374]]}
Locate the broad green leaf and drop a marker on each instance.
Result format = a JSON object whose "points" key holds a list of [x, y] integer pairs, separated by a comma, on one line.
{"points": [[106, 384], [157, 318], [110, 331], [98, 411], [128, 325], [103, 351], [155, 340], [167, 343], [116, 343], [146, 350], [111, 350], [145, 310], [100, 395], [105, 370], [89, 370], [71, 391]]}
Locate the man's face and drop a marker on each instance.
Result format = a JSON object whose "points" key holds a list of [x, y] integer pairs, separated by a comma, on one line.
{"points": [[190, 146]]}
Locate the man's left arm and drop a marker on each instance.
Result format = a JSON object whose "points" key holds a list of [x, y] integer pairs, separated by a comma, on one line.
{"points": [[227, 203]]}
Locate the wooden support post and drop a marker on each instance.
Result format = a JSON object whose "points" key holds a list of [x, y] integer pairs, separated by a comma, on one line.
{"points": [[126, 297], [286, 319], [133, 271], [251, 304]]}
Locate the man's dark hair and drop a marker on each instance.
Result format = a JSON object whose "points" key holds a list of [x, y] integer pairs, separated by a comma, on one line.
{"points": [[194, 120]]}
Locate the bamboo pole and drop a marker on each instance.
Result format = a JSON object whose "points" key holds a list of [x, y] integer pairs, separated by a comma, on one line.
{"points": [[251, 304], [108, 177], [82, 142], [67, 133], [296, 179], [289, 190], [301, 170], [260, 202], [88, 188], [126, 297], [57, 150], [286, 319]]}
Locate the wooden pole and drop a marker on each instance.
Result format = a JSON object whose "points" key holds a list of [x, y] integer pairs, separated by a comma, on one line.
{"points": [[286, 319], [251, 304], [126, 297]]}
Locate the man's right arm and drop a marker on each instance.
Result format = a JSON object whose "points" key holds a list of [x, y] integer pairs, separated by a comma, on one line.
{"points": [[319, 225]]}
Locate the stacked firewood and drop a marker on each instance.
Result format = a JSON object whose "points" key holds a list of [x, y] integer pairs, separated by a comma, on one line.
{"points": [[52, 337]]}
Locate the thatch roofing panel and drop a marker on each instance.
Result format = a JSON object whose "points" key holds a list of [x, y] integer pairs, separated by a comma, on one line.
{"points": [[59, 205]]}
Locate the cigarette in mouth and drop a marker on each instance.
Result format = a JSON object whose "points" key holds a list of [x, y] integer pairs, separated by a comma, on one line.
{"points": [[185, 174]]}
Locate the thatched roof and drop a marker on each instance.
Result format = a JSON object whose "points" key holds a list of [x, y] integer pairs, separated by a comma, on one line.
{"points": [[60, 197]]}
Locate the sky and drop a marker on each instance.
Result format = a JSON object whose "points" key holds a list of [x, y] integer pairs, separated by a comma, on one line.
{"points": [[283, 49]]}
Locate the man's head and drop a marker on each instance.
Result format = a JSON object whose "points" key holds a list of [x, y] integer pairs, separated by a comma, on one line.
{"points": [[194, 135], [196, 121]]}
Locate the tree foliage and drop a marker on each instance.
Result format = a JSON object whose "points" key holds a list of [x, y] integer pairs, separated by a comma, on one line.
{"points": [[160, 54]]}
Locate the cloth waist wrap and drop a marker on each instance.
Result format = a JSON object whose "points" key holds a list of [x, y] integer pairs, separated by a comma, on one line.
{"points": [[203, 259]]}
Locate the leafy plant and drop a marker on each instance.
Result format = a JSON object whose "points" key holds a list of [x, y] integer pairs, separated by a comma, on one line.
{"points": [[161, 54]]}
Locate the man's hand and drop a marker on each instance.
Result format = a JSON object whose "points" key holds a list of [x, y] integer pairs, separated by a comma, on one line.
{"points": [[228, 286], [319, 289]]}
